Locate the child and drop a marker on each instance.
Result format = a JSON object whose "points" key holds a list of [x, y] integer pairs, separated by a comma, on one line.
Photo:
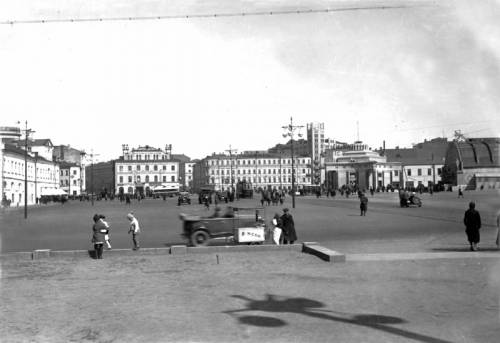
{"points": [[105, 231]]}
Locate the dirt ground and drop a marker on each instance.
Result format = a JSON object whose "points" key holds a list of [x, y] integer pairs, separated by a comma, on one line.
{"points": [[249, 297]]}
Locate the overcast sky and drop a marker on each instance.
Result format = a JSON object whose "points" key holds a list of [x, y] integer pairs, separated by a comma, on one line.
{"points": [[202, 84]]}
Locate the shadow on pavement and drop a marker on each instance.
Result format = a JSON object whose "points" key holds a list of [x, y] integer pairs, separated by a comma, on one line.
{"points": [[313, 308]]}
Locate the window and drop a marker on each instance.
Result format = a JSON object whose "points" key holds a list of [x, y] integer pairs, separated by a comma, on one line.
{"points": [[147, 178], [172, 178], [129, 168], [408, 172], [74, 182], [419, 172], [439, 171], [74, 172], [164, 167], [173, 168], [164, 178], [396, 173], [147, 168], [429, 171], [120, 168], [130, 179], [155, 167], [138, 178], [138, 167]]}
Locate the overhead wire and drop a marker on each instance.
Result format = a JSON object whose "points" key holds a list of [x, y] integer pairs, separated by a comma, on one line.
{"points": [[200, 15]]}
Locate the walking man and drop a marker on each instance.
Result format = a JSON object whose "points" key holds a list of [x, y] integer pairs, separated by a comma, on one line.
{"points": [[288, 227], [134, 229], [472, 222]]}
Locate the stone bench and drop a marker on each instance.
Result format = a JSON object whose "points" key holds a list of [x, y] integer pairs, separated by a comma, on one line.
{"points": [[325, 254]]}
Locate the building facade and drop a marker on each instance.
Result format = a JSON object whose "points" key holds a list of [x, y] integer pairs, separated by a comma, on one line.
{"points": [[422, 164], [358, 167], [262, 170], [316, 141], [139, 170], [473, 163], [42, 176], [70, 178]]}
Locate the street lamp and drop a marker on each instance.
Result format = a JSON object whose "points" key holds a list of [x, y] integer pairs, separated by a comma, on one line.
{"points": [[290, 130], [26, 134]]}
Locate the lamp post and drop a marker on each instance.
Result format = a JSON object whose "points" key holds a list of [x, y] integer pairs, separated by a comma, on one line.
{"points": [[231, 165], [26, 134], [290, 130]]}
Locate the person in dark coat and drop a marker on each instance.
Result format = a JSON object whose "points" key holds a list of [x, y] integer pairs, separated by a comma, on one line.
{"points": [[98, 232], [472, 222], [289, 234], [363, 204]]}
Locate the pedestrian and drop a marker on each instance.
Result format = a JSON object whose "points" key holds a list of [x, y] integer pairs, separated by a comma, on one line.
{"points": [[127, 199], [105, 231], [277, 231], [289, 232], [460, 193], [472, 222], [98, 230], [363, 204], [134, 229]]}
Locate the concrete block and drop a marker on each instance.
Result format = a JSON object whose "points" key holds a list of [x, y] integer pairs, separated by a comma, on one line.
{"points": [[322, 252], [41, 253], [178, 250]]}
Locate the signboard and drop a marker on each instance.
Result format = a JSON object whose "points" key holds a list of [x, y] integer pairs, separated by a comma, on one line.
{"points": [[250, 234]]}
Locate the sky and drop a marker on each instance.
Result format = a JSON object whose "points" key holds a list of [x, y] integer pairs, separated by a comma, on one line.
{"points": [[415, 70]]}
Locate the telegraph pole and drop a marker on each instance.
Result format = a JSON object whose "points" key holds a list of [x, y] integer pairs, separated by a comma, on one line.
{"points": [[92, 175], [289, 132], [231, 151], [26, 134]]}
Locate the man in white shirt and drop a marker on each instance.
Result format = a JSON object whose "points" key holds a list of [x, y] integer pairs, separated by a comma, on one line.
{"points": [[134, 229]]}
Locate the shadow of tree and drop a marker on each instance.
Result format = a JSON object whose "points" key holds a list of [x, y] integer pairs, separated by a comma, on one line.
{"points": [[313, 308]]}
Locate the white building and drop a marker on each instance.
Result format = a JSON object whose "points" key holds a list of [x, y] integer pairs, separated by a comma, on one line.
{"points": [[42, 176], [71, 178], [262, 170], [188, 174], [139, 170]]}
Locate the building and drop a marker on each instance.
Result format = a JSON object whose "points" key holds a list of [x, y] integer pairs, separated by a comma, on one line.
{"points": [[42, 176], [70, 178], [101, 178], [141, 169], [316, 142], [72, 169], [261, 169], [473, 163], [188, 174], [185, 170], [422, 164], [357, 166]]}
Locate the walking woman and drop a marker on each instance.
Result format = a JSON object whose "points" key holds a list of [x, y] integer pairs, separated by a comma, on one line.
{"points": [[289, 233], [472, 222]]}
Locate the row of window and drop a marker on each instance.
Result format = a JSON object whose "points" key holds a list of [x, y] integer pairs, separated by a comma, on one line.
{"points": [[146, 167], [249, 162], [146, 157], [147, 178], [65, 172], [259, 179], [253, 171], [419, 172], [17, 168], [66, 183]]}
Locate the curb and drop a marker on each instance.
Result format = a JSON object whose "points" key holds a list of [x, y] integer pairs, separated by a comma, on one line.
{"points": [[39, 254]]}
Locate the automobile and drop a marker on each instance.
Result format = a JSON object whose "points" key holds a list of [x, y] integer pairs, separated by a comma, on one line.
{"points": [[205, 192], [412, 201], [183, 199], [235, 222]]}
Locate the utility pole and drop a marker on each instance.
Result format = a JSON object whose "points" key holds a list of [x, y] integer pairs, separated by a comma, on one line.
{"points": [[92, 175], [290, 130], [231, 151], [26, 134]]}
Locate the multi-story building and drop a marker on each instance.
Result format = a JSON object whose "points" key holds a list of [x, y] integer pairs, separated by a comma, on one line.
{"points": [[42, 176], [141, 169], [422, 164], [261, 169], [316, 141], [188, 174], [101, 178], [72, 169]]}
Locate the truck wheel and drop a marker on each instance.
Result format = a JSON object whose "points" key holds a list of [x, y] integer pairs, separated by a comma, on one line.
{"points": [[199, 238]]}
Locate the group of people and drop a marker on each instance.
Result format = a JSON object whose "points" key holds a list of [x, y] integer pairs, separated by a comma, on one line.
{"points": [[101, 229], [284, 228]]}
